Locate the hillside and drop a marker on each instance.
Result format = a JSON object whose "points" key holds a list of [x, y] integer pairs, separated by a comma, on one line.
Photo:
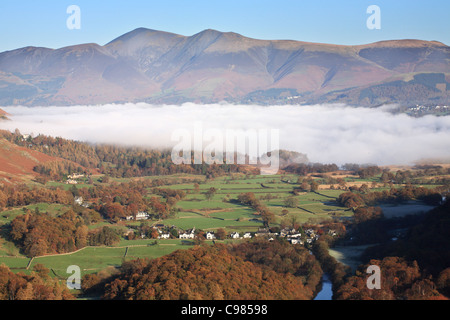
{"points": [[212, 66], [17, 163]]}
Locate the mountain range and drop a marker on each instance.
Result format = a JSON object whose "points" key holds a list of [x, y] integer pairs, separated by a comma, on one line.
{"points": [[211, 66]]}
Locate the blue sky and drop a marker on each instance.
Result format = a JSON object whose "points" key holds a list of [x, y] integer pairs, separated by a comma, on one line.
{"points": [[43, 22]]}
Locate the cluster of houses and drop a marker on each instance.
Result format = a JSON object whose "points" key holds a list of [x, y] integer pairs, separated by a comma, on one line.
{"points": [[71, 179], [210, 235], [292, 235]]}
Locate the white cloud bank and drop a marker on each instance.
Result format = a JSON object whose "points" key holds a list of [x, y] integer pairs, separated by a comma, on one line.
{"points": [[326, 133]]}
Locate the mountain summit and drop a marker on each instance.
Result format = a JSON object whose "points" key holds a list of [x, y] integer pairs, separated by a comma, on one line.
{"points": [[153, 66]]}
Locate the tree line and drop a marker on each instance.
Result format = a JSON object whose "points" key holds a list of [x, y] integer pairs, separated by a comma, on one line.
{"points": [[354, 199], [113, 160]]}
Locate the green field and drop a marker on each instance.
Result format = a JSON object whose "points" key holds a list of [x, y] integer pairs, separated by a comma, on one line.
{"points": [[94, 259]]}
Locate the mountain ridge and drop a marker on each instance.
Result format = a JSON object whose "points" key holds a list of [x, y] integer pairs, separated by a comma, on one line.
{"points": [[146, 65]]}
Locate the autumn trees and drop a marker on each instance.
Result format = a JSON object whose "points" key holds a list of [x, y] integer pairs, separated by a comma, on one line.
{"points": [[360, 197], [281, 257], [259, 270], [106, 236], [369, 171], [400, 280], [36, 286], [39, 234], [206, 272], [350, 200], [22, 195]]}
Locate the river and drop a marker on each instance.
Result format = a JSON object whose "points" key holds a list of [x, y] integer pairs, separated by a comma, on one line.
{"points": [[326, 293]]}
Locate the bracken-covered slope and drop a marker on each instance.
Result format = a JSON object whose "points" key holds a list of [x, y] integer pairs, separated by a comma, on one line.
{"points": [[17, 163], [211, 66]]}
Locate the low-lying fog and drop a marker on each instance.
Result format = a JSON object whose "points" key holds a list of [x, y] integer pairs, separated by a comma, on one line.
{"points": [[326, 133]]}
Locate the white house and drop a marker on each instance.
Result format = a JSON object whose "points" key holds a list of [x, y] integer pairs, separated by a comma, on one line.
{"points": [[187, 235], [70, 181], [234, 235], [210, 236], [296, 241], [78, 200], [164, 236], [141, 215], [75, 176], [247, 235]]}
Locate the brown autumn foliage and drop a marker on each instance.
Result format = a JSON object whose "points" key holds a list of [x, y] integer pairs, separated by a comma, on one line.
{"points": [[350, 200], [22, 195], [203, 273], [56, 170], [39, 233], [36, 286], [282, 257], [400, 280]]}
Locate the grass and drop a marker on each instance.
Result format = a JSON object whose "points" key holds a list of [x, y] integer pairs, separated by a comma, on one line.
{"points": [[94, 259], [15, 263]]}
